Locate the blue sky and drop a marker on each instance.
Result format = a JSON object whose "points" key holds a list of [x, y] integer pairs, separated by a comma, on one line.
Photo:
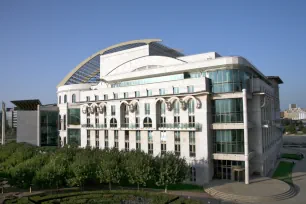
{"points": [[42, 41]]}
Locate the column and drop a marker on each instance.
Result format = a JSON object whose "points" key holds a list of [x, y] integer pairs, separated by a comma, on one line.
{"points": [[246, 136], [38, 125], [3, 123]]}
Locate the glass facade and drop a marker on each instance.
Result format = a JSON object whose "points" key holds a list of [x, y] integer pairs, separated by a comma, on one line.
{"points": [[74, 116], [149, 80], [227, 110], [223, 169], [74, 137], [229, 80], [228, 141], [48, 128]]}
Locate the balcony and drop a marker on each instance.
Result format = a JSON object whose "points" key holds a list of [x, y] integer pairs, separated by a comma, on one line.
{"points": [[180, 126], [130, 126], [95, 126]]}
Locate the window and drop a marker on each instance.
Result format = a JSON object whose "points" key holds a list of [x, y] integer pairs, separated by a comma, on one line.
{"points": [[65, 98], [227, 110], [147, 122], [228, 141], [176, 109], [59, 100], [176, 121], [96, 97], [163, 140], [88, 122], [162, 91], [191, 121], [190, 89], [73, 98], [97, 121], [191, 106], [106, 139], [137, 93], [137, 122], [59, 122], [192, 174], [74, 116], [127, 143], [113, 110], [105, 97], [97, 139], [177, 143], [74, 137], [147, 108], [88, 138], [65, 122], [115, 96], [138, 140], [116, 138], [105, 111], [113, 123], [137, 109], [125, 95], [162, 108], [105, 122], [162, 122], [88, 112], [192, 147], [87, 98], [149, 92], [150, 142], [230, 80], [176, 90]]}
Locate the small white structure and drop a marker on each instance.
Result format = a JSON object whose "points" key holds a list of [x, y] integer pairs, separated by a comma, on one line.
{"points": [[220, 113]]}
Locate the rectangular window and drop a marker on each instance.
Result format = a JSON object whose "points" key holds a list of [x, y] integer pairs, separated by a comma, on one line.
{"points": [[190, 89], [97, 138], [125, 94], [137, 93], [127, 141], [113, 110], [106, 139], [147, 108], [105, 122], [138, 140], [176, 121], [115, 96], [116, 138], [88, 122], [88, 137], [65, 122], [177, 143], [192, 147], [162, 121], [176, 109], [137, 122], [97, 121], [163, 140], [149, 92], [150, 142], [176, 90], [191, 121], [227, 110], [96, 97], [228, 141], [87, 98], [74, 116], [162, 92], [105, 97]]}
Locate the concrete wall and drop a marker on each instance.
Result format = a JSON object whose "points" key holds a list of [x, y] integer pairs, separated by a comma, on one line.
{"points": [[27, 127]]}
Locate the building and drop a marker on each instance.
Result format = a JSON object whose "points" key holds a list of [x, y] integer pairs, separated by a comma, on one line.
{"points": [[295, 113], [219, 112], [11, 117], [37, 123]]}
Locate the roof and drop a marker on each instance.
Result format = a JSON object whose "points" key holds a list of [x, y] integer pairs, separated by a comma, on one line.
{"points": [[89, 70], [26, 104], [276, 78]]}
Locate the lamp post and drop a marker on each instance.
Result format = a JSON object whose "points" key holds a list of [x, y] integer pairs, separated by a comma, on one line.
{"points": [[3, 123]]}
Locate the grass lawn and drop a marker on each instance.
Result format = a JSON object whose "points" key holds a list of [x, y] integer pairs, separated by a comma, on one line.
{"points": [[284, 172], [292, 156]]}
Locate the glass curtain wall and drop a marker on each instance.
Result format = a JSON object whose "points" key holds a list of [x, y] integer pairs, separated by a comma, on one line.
{"points": [[228, 141], [74, 116], [48, 128], [230, 80], [228, 110], [74, 137]]}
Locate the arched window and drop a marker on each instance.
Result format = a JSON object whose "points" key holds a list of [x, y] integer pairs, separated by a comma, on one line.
{"points": [[64, 122], [59, 100], [65, 98], [147, 122], [59, 122], [73, 98], [191, 106], [113, 122]]}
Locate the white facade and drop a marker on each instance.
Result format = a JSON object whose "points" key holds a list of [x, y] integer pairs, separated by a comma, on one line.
{"points": [[221, 113]]}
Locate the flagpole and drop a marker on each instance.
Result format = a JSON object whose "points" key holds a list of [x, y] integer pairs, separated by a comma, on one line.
{"points": [[3, 123]]}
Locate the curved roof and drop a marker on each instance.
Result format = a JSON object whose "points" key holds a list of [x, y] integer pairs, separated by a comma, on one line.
{"points": [[89, 69]]}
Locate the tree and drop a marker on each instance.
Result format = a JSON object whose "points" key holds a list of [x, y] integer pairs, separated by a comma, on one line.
{"points": [[304, 130], [301, 126], [291, 129], [22, 175], [170, 169], [138, 167], [83, 168], [109, 168]]}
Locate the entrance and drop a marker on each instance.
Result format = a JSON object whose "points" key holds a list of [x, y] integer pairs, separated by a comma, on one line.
{"points": [[238, 174], [228, 170]]}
